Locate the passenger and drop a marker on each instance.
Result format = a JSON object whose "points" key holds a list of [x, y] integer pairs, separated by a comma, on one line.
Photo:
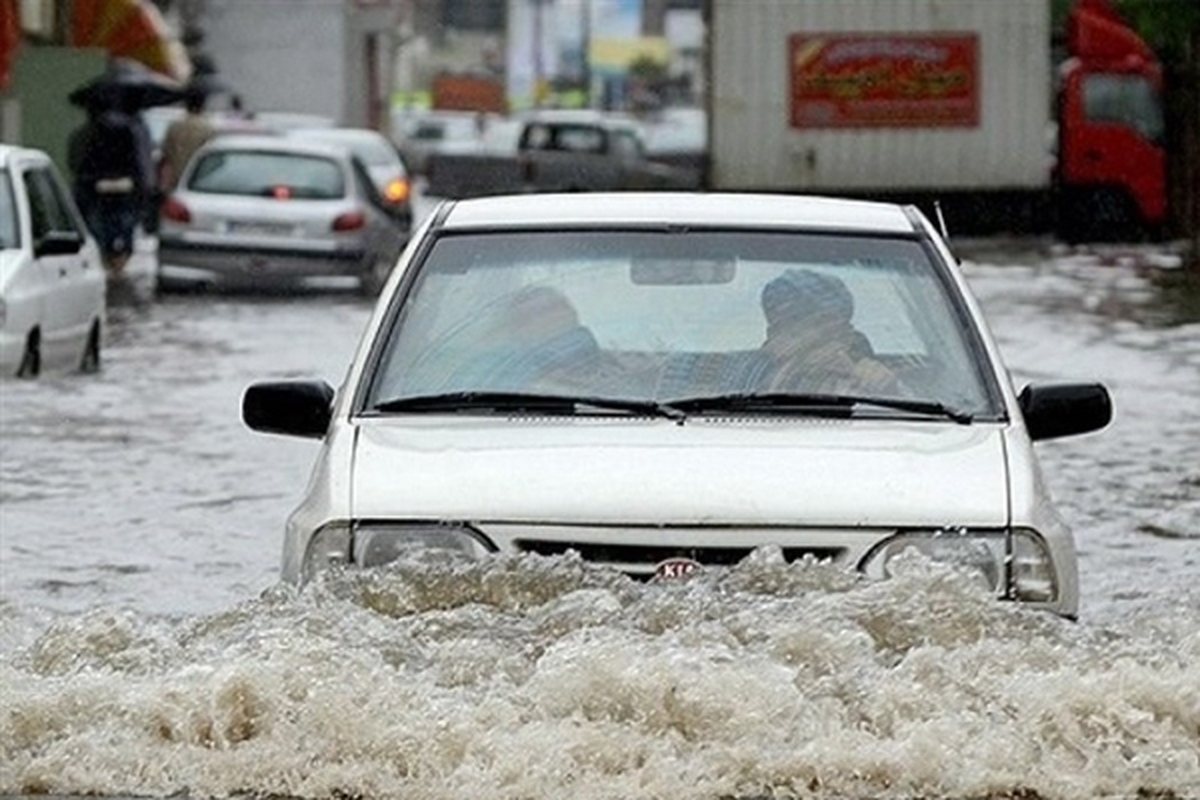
{"points": [[811, 345]]}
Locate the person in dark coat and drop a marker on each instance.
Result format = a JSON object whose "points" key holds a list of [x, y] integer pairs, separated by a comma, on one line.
{"points": [[112, 166]]}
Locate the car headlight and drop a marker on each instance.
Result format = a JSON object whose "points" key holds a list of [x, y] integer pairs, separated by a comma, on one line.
{"points": [[1015, 564], [372, 544], [982, 554]]}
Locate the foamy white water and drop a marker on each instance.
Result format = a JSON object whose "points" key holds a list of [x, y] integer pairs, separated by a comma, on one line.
{"points": [[145, 648], [528, 678]]}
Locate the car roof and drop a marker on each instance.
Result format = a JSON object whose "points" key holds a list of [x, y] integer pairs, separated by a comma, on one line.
{"points": [[582, 116], [748, 210], [9, 151], [339, 134], [275, 143]]}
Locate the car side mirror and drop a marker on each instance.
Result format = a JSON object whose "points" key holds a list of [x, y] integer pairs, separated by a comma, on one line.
{"points": [[291, 408], [58, 243], [1064, 409]]}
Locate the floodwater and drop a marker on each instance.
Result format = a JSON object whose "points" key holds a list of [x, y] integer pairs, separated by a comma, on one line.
{"points": [[146, 649]]}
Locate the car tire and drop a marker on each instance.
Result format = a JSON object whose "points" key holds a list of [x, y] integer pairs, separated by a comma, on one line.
{"points": [[31, 359], [90, 362]]}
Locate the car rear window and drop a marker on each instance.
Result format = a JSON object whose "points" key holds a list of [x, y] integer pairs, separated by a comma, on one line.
{"points": [[429, 131], [375, 153], [264, 174]]}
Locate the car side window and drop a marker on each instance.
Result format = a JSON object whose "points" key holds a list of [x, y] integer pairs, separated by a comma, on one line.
{"points": [[47, 206], [10, 226], [626, 145], [580, 139]]}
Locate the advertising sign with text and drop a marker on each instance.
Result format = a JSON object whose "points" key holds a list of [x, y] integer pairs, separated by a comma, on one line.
{"points": [[884, 80]]}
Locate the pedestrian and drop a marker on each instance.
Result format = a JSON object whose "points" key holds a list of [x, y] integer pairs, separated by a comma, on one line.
{"points": [[113, 179], [184, 137]]}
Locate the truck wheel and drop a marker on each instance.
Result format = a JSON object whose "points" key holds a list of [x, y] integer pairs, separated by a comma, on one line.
{"points": [[1110, 216], [1097, 215]]}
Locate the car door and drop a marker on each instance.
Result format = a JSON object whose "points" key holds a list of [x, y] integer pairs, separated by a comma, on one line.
{"points": [[67, 274]]}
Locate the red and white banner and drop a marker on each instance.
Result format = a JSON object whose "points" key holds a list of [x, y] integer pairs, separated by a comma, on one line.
{"points": [[884, 80]]}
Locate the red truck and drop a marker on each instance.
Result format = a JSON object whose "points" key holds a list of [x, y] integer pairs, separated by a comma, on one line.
{"points": [[956, 102], [1111, 168]]}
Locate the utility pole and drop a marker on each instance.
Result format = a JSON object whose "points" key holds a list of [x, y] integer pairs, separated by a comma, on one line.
{"points": [[62, 22], [586, 50], [539, 63]]}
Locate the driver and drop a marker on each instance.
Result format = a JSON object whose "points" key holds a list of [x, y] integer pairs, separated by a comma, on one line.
{"points": [[543, 342]]}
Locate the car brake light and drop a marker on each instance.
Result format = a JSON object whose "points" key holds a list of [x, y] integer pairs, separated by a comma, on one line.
{"points": [[396, 191], [350, 221], [174, 210]]}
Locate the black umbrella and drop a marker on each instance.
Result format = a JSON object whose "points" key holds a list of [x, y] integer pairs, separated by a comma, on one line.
{"points": [[130, 85]]}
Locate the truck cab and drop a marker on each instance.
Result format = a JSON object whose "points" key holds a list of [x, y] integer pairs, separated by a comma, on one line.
{"points": [[1111, 157]]}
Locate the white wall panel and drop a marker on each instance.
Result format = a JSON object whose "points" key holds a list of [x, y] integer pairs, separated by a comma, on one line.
{"points": [[754, 146], [281, 55]]}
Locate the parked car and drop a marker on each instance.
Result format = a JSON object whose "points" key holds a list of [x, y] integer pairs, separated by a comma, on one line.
{"points": [[273, 210], [664, 382], [52, 282], [421, 135], [381, 159]]}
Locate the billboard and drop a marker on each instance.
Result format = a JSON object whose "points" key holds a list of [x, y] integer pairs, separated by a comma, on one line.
{"points": [[884, 80]]}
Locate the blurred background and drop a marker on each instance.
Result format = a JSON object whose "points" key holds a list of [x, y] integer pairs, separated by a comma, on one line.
{"points": [[702, 78]]}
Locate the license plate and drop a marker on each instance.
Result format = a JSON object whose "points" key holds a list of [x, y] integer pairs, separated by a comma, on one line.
{"points": [[260, 228]]}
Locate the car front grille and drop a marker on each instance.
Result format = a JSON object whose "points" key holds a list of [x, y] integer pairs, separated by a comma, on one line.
{"points": [[640, 560]]}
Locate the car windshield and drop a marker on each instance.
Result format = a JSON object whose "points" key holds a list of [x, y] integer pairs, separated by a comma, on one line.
{"points": [[10, 236], [710, 320], [268, 174]]}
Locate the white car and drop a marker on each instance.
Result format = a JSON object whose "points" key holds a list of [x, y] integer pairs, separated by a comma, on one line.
{"points": [[52, 283], [430, 132], [665, 382], [381, 159], [273, 211]]}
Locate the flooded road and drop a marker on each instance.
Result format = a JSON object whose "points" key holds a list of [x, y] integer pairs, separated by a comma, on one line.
{"points": [[146, 649]]}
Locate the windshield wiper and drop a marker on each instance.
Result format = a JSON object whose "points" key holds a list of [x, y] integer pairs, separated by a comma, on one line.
{"points": [[524, 401], [837, 404]]}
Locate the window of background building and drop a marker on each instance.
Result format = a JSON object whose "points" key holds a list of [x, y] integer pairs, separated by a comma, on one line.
{"points": [[474, 15]]}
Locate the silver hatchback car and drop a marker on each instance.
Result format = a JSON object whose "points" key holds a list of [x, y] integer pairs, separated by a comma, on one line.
{"points": [[666, 382], [270, 210]]}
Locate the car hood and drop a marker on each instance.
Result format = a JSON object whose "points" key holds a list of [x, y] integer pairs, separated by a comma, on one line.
{"points": [[707, 471]]}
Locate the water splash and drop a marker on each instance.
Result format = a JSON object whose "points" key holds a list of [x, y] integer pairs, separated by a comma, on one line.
{"points": [[527, 677]]}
